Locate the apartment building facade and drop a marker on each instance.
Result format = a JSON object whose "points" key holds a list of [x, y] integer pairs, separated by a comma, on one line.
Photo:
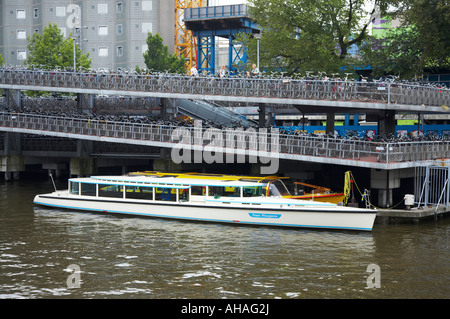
{"points": [[113, 32]]}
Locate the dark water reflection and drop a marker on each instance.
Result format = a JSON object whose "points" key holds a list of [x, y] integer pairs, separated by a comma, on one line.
{"points": [[126, 257]]}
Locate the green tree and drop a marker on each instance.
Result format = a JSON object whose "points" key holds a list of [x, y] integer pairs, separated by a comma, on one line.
{"points": [[51, 50], [311, 35], [157, 56], [397, 53], [431, 18], [422, 42]]}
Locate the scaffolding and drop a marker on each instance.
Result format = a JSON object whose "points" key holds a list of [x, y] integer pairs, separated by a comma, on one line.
{"points": [[185, 44]]}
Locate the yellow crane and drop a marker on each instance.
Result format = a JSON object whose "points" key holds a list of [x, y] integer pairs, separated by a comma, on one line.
{"points": [[184, 39]]}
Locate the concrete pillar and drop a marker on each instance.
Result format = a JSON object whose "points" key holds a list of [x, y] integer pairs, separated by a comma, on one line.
{"points": [[168, 108], [12, 176], [163, 108], [385, 181], [84, 148], [85, 103], [266, 115], [83, 166], [271, 116], [262, 115], [330, 123], [166, 165], [12, 144], [54, 168], [12, 165], [386, 123], [385, 198]]}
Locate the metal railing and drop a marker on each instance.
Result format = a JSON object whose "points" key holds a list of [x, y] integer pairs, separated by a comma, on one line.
{"points": [[289, 145], [214, 12], [276, 89], [431, 186]]}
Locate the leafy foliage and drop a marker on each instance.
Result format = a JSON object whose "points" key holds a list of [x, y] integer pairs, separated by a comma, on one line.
{"points": [[421, 43], [51, 50], [312, 35], [157, 57]]}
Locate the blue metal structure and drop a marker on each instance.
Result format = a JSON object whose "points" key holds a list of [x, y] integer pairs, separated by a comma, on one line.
{"points": [[206, 57], [357, 129], [227, 22]]}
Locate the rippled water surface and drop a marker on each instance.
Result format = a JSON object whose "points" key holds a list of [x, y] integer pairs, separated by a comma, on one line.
{"points": [[126, 257]]}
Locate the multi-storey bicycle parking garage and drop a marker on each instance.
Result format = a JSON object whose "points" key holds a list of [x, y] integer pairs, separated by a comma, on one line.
{"points": [[314, 93], [320, 149], [313, 96]]}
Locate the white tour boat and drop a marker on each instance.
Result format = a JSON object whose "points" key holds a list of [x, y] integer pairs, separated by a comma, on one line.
{"points": [[222, 201]]}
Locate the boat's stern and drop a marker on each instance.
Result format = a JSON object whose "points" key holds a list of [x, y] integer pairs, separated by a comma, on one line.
{"points": [[45, 199]]}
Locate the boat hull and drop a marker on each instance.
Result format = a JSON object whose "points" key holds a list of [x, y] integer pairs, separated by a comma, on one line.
{"points": [[221, 212]]}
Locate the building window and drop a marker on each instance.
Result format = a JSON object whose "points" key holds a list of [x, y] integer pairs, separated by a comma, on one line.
{"points": [[119, 51], [21, 34], [119, 29], [21, 55], [146, 5], [102, 30], [102, 8], [36, 13], [103, 51], [63, 31], [146, 27], [60, 11], [119, 7], [20, 14]]}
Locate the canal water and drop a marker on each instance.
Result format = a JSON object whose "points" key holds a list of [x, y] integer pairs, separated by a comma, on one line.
{"points": [[59, 254]]}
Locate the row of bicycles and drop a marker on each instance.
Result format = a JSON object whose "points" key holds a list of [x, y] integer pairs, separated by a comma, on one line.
{"points": [[266, 85]]}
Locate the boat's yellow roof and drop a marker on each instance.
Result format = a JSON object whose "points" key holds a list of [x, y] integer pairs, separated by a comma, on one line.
{"points": [[207, 176]]}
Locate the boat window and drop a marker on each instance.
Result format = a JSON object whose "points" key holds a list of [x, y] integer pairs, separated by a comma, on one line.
{"points": [[137, 192], [88, 189], [291, 186], [74, 188], [166, 194], [183, 195], [277, 188], [252, 191], [110, 191], [198, 190], [227, 191]]}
